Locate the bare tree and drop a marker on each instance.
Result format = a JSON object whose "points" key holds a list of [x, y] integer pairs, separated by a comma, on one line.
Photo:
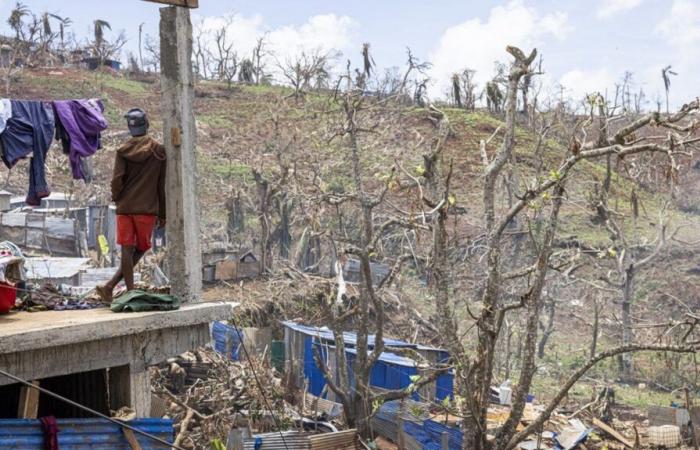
{"points": [[306, 68], [469, 89], [494, 97], [201, 53], [629, 258], [152, 48], [141, 46], [259, 54], [363, 204], [416, 72], [475, 369], [225, 59]]}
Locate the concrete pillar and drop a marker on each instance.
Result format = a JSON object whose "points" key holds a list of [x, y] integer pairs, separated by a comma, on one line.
{"points": [[179, 136], [130, 386]]}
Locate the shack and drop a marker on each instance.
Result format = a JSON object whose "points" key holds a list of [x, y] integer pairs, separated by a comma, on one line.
{"points": [[225, 265], [5, 198], [41, 232], [55, 270], [392, 371], [351, 271]]}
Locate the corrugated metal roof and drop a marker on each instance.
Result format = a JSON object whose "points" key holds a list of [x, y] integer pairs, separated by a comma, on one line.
{"points": [[83, 434], [350, 338], [390, 358], [54, 267]]}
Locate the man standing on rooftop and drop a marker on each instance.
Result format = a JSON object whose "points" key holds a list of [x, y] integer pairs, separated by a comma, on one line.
{"points": [[138, 189]]}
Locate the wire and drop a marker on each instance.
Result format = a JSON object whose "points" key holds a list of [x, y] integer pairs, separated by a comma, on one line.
{"points": [[257, 381], [91, 411]]}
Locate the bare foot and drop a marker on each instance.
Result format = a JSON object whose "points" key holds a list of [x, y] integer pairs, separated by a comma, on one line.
{"points": [[105, 294]]}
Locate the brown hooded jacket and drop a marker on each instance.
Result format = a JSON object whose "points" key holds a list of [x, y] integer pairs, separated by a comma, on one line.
{"points": [[138, 183]]}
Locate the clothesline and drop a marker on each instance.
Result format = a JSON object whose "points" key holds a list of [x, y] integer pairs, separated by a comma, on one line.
{"points": [[28, 127]]}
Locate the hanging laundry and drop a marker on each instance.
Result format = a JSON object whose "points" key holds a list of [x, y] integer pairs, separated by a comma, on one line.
{"points": [[78, 127], [29, 130], [5, 112]]}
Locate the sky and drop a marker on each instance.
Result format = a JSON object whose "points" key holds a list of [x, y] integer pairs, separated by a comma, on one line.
{"points": [[586, 45]]}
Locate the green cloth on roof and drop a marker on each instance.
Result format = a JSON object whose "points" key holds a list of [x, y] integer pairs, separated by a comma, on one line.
{"points": [[139, 301]]}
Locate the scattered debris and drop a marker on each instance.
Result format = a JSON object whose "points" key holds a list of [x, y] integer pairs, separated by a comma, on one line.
{"points": [[208, 394]]}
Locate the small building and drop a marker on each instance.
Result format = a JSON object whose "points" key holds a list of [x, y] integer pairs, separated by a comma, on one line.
{"points": [[225, 265], [55, 270], [5, 55], [351, 271], [40, 232], [57, 200], [92, 63], [5, 199]]}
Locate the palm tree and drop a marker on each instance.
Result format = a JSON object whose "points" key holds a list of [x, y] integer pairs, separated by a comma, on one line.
{"points": [[246, 73], [100, 26], [367, 59], [15, 20], [666, 73], [457, 90], [63, 23], [46, 24]]}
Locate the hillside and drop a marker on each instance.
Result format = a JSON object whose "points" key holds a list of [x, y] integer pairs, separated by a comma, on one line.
{"points": [[239, 129]]}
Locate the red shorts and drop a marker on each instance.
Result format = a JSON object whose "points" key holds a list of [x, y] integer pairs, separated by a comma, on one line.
{"points": [[135, 231]]}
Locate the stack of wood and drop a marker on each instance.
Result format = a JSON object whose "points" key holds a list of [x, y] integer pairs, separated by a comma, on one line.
{"points": [[208, 395]]}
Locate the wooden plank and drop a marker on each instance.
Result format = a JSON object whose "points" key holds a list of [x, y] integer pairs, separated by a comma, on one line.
{"points": [[445, 440], [226, 270], [28, 402], [131, 439], [183, 3], [612, 432]]}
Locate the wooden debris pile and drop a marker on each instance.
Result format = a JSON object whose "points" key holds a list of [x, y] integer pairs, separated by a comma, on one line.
{"points": [[208, 395]]}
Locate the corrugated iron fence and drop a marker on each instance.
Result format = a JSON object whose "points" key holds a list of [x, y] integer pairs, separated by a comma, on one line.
{"points": [[83, 434]]}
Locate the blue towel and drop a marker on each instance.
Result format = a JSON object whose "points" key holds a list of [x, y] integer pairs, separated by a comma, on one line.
{"points": [[29, 132]]}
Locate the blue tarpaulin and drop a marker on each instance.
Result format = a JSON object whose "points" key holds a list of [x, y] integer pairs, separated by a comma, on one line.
{"points": [[226, 339]]}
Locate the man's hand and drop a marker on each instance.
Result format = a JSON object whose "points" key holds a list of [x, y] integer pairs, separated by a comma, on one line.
{"points": [[161, 222]]}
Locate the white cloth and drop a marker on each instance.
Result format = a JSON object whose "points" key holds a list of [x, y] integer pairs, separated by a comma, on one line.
{"points": [[5, 112]]}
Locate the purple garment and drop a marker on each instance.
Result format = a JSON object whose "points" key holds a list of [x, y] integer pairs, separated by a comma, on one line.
{"points": [[80, 122]]}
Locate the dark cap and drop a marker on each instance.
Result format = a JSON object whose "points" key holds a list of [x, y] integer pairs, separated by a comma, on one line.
{"points": [[137, 121]]}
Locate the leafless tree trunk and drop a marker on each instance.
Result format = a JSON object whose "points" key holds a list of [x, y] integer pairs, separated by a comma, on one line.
{"points": [[548, 327], [595, 326]]}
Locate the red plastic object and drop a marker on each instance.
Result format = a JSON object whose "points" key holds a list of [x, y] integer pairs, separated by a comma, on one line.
{"points": [[8, 295]]}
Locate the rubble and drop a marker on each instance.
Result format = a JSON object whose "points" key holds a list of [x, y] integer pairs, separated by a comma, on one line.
{"points": [[208, 395]]}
